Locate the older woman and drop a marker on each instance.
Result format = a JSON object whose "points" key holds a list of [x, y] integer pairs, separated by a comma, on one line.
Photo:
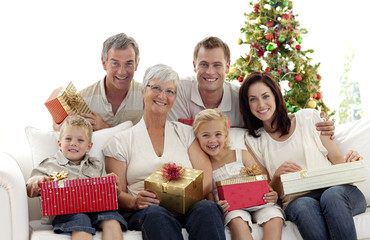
{"points": [[137, 152]]}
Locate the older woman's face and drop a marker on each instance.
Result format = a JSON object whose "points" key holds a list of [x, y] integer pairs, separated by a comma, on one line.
{"points": [[159, 96]]}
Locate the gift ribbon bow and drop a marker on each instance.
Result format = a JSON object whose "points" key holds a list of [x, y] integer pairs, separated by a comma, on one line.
{"points": [[57, 176], [251, 171], [74, 99]]}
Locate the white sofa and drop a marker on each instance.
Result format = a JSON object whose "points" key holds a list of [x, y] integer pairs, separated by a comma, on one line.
{"points": [[20, 216]]}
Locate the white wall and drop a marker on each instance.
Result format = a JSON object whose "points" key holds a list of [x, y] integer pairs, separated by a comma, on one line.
{"points": [[45, 44]]}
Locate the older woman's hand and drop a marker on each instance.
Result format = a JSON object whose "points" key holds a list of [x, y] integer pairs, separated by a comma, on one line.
{"points": [[352, 156], [145, 199]]}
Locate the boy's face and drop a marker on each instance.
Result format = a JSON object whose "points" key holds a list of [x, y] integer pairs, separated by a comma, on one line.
{"points": [[212, 137], [74, 143]]}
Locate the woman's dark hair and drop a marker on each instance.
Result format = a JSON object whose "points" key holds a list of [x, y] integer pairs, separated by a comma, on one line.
{"points": [[280, 116]]}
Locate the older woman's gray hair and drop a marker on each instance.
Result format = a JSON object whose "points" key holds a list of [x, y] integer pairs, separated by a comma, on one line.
{"points": [[160, 73], [120, 41]]}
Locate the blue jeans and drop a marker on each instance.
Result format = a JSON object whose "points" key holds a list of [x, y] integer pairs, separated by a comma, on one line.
{"points": [[204, 220], [327, 214]]}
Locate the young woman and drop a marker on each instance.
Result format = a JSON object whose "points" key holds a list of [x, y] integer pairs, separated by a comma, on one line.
{"points": [[288, 144]]}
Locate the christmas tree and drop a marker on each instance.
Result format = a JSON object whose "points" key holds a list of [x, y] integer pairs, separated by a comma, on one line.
{"points": [[274, 37]]}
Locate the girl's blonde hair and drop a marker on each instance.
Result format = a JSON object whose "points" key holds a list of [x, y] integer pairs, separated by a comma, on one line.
{"points": [[77, 121], [208, 115]]}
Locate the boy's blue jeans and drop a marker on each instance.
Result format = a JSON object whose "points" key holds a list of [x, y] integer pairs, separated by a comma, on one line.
{"points": [[204, 220], [327, 214]]}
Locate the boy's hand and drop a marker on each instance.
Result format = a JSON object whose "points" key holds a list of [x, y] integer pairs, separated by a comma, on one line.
{"points": [[224, 205], [33, 188], [271, 197]]}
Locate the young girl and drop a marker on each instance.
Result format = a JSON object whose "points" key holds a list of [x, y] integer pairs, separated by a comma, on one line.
{"points": [[210, 128], [284, 145]]}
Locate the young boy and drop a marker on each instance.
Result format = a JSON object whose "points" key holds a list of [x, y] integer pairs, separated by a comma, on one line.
{"points": [[74, 144]]}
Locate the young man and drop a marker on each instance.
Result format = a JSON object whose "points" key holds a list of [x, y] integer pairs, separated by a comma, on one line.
{"points": [[211, 61], [117, 97]]}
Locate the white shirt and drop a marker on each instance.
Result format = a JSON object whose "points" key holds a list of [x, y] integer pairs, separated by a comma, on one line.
{"points": [[134, 146], [189, 102], [131, 108]]}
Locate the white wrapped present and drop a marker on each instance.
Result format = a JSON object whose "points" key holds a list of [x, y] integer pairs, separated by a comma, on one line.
{"points": [[312, 179]]}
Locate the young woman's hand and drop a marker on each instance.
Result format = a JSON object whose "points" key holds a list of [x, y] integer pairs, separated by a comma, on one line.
{"points": [[224, 205], [271, 197], [287, 167], [352, 156]]}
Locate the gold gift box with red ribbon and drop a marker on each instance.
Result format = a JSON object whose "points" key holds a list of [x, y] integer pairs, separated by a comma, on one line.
{"points": [[176, 195], [65, 100]]}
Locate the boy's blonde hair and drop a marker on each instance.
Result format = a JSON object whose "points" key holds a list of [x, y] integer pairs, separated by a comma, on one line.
{"points": [[208, 115], [77, 121]]}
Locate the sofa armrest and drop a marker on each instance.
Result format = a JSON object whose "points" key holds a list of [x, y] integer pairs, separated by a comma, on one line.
{"points": [[13, 200]]}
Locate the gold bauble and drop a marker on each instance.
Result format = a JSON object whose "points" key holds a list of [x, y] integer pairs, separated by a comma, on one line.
{"points": [[311, 103]]}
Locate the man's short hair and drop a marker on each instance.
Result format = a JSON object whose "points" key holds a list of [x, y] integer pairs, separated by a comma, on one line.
{"points": [[211, 43], [120, 41]]}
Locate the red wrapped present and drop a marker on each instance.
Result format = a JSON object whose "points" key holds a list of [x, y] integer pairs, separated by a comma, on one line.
{"points": [[191, 121], [63, 101], [243, 192], [79, 195]]}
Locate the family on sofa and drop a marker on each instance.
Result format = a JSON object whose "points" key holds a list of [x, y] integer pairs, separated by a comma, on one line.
{"points": [[154, 107]]}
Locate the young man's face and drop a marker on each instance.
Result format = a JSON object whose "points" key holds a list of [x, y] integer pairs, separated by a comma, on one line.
{"points": [[120, 67], [211, 68]]}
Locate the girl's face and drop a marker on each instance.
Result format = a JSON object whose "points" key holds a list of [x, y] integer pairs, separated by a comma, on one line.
{"points": [[212, 137], [261, 101]]}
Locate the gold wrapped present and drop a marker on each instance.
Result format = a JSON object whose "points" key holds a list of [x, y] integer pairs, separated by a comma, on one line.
{"points": [[63, 101], [311, 179], [176, 195]]}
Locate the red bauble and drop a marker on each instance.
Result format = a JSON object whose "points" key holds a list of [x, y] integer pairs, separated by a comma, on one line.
{"points": [[314, 95], [260, 53], [256, 8], [298, 47], [240, 79], [269, 36], [267, 69], [298, 77], [319, 95], [270, 24], [278, 71], [286, 16], [319, 77]]}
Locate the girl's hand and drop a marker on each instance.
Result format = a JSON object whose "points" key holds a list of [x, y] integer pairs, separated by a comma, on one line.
{"points": [[352, 156], [287, 167], [145, 199], [224, 205], [271, 197], [33, 188]]}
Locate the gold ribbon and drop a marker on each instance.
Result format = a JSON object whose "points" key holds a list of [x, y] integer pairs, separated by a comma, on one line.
{"points": [[251, 171], [74, 100], [304, 173]]}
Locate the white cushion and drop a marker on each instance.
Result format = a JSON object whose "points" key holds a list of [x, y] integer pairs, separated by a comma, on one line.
{"points": [[45, 143], [356, 136]]}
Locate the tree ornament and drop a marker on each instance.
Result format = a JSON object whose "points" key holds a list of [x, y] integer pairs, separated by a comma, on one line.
{"points": [[286, 16], [287, 104], [269, 36], [258, 20], [240, 41], [319, 95], [270, 24], [278, 72], [240, 79], [281, 39], [267, 69], [290, 109], [298, 47], [285, 3], [300, 39], [256, 8], [270, 47], [298, 77], [318, 77], [311, 103]]}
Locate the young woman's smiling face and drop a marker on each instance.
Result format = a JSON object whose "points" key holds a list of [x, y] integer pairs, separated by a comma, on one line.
{"points": [[261, 101]]}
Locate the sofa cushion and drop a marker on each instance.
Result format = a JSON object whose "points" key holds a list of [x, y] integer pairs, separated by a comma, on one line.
{"points": [[45, 143], [355, 135]]}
